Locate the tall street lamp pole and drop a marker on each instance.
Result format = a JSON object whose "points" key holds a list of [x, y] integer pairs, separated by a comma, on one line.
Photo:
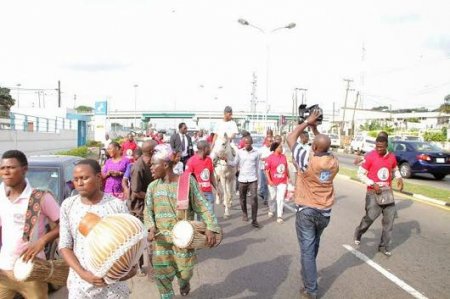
{"points": [[18, 94], [135, 101], [266, 33]]}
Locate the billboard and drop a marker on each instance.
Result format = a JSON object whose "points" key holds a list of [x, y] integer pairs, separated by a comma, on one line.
{"points": [[101, 108]]}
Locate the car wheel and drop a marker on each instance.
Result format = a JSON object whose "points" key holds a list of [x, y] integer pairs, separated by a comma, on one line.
{"points": [[405, 170], [439, 176]]}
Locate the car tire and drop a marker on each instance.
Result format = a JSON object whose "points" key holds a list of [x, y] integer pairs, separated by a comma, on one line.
{"points": [[439, 176], [405, 170]]}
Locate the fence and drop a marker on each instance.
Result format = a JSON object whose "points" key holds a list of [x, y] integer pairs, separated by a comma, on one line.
{"points": [[28, 123]]}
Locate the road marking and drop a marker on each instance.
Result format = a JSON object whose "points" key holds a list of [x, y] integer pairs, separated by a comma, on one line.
{"points": [[413, 292]]}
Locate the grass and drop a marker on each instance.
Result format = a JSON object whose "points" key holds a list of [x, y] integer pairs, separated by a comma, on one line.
{"points": [[433, 192]]}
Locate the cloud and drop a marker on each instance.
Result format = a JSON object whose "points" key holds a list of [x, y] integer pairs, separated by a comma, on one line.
{"points": [[97, 67]]}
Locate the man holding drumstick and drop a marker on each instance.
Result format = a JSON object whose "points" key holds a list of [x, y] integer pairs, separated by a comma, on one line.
{"points": [[15, 195]]}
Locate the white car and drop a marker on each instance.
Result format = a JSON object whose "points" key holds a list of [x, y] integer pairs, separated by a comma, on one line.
{"points": [[335, 142], [362, 144]]}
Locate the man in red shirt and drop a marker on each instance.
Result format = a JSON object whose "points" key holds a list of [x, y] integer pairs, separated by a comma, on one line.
{"points": [[376, 172], [202, 167], [129, 146]]}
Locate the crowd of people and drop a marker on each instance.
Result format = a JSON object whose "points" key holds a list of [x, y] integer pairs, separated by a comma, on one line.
{"points": [[145, 181]]}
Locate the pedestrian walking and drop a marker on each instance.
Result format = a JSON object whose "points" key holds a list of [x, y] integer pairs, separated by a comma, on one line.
{"points": [[376, 173], [264, 152], [247, 160], [162, 214], [113, 171], [82, 283], [276, 171], [129, 146], [314, 197], [181, 142], [17, 196], [201, 166], [126, 180]]}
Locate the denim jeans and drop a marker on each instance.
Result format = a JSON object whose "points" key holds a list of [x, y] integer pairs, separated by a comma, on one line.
{"points": [[210, 198], [310, 224], [373, 211], [263, 191]]}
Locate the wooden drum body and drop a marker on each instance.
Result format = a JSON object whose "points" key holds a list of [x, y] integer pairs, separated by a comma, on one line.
{"points": [[191, 235], [113, 244]]}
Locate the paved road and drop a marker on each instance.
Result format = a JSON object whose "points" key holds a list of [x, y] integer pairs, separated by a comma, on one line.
{"points": [[424, 179], [264, 263]]}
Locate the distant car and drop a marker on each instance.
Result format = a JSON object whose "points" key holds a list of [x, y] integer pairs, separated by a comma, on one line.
{"points": [[362, 144], [53, 173], [335, 142], [421, 157]]}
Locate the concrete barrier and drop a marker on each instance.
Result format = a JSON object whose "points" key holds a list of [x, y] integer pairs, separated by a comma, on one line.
{"points": [[37, 143]]}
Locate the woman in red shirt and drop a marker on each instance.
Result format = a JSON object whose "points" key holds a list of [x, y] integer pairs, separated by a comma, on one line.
{"points": [[277, 177]]}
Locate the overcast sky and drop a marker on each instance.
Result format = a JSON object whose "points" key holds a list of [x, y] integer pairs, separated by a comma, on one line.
{"points": [[181, 52]]}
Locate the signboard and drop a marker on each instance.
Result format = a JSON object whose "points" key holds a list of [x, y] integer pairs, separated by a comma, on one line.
{"points": [[101, 108]]}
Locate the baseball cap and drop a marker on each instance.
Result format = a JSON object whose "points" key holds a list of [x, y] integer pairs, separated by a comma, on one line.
{"points": [[228, 109]]}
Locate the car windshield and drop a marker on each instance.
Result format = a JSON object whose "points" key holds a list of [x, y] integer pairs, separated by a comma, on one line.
{"points": [[46, 178], [425, 147]]}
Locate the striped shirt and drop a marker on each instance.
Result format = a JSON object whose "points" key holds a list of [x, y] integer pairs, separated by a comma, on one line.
{"points": [[300, 154]]}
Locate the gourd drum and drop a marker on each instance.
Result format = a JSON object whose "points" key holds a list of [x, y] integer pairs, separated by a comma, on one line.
{"points": [[113, 244], [191, 235]]}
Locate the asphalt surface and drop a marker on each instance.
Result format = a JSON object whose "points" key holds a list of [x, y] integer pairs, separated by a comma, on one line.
{"points": [[264, 262], [423, 179]]}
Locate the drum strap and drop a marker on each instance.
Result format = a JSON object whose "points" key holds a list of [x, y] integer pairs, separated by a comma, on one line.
{"points": [[183, 191], [32, 215]]}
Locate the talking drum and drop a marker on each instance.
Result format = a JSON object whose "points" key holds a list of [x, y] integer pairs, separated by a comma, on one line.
{"points": [[191, 235], [113, 244], [52, 271]]}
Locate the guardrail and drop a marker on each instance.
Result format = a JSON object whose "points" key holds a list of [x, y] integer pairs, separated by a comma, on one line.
{"points": [[29, 123]]}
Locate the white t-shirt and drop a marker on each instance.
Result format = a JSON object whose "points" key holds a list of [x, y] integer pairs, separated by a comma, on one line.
{"points": [[264, 152], [228, 127]]}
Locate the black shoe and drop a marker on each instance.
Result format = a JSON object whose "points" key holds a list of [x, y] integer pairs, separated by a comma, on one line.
{"points": [[385, 251], [357, 238], [265, 202], [255, 224], [306, 295], [185, 290]]}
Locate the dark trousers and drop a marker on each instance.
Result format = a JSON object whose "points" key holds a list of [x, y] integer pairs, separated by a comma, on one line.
{"points": [[373, 211], [249, 191], [184, 161]]}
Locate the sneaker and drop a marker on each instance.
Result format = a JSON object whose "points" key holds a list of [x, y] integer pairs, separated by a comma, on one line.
{"points": [[280, 220], [385, 251], [306, 295], [357, 238], [270, 214], [244, 218]]}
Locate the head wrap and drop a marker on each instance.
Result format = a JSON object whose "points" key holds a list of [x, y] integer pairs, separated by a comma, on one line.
{"points": [[163, 152]]}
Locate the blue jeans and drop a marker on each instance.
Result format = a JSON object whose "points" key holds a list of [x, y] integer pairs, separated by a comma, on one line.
{"points": [[310, 224], [263, 191]]}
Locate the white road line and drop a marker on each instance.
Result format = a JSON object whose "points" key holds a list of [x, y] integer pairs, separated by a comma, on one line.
{"points": [[287, 206], [386, 273]]}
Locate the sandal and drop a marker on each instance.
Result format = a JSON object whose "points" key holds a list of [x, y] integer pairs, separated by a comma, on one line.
{"points": [[184, 291]]}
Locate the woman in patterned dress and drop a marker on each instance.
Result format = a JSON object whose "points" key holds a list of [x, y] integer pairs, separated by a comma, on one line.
{"points": [[160, 217], [113, 170]]}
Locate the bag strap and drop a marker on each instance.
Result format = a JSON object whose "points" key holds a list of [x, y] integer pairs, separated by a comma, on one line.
{"points": [[183, 191], [32, 214]]}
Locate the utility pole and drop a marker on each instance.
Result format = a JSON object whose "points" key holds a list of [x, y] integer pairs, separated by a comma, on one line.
{"points": [[74, 101], [345, 105], [254, 98], [59, 94], [354, 110]]}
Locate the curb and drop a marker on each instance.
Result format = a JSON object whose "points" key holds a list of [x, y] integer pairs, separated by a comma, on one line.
{"points": [[418, 196]]}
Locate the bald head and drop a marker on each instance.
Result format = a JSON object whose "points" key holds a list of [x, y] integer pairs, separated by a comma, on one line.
{"points": [[321, 143], [148, 147]]}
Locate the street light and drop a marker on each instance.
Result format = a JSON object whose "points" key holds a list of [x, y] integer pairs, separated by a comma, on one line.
{"points": [[288, 26], [135, 101], [18, 94]]}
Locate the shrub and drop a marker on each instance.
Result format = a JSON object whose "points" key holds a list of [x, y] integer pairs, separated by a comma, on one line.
{"points": [[434, 136], [81, 151], [93, 143]]}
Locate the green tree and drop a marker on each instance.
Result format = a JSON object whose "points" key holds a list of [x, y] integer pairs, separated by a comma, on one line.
{"points": [[84, 109], [380, 108], [6, 101], [447, 99]]}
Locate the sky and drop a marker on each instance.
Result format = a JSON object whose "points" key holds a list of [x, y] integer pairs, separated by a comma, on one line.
{"points": [[194, 55]]}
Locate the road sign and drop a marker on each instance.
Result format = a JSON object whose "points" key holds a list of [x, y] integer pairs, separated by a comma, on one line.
{"points": [[101, 108]]}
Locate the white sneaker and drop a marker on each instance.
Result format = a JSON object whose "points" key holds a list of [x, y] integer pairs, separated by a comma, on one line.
{"points": [[280, 220], [270, 214]]}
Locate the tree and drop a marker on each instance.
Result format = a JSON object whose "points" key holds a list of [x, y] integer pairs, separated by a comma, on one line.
{"points": [[380, 108], [6, 101], [84, 109], [447, 99]]}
